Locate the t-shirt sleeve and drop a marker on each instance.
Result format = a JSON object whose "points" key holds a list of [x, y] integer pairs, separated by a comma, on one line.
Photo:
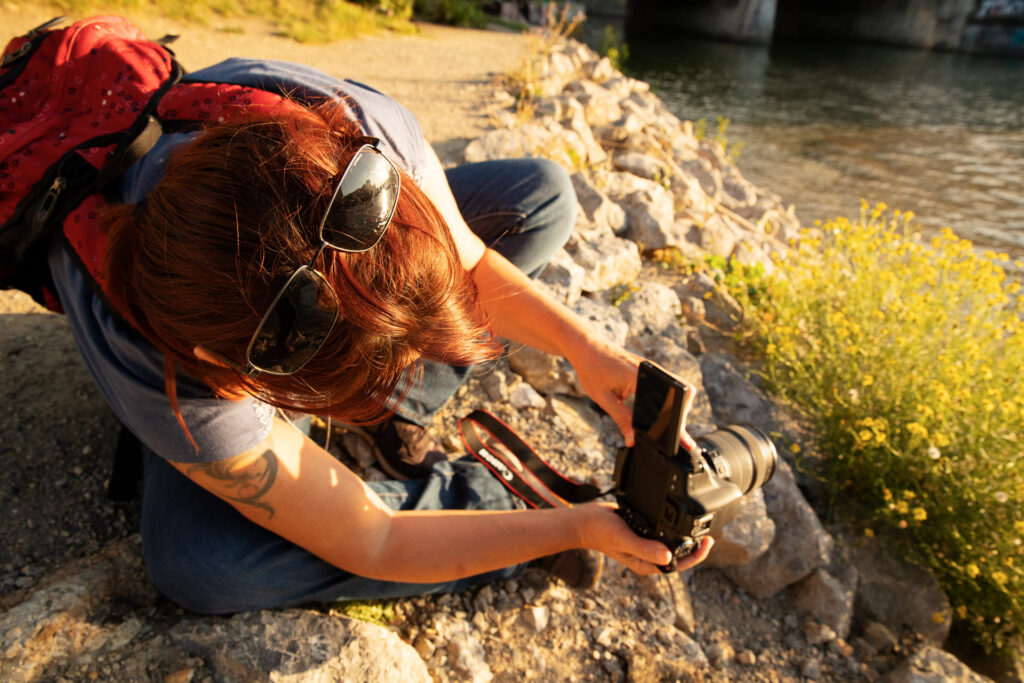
{"points": [[377, 114], [129, 373]]}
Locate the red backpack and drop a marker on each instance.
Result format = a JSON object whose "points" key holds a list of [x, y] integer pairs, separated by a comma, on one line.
{"points": [[78, 106]]}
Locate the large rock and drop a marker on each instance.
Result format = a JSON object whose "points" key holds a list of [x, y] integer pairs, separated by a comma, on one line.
{"points": [[563, 278], [91, 608], [722, 311], [800, 546], [932, 665], [734, 398], [648, 207], [900, 594], [546, 373], [606, 262], [828, 593], [603, 319], [300, 646], [595, 204], [652, 308], [746, 537]]}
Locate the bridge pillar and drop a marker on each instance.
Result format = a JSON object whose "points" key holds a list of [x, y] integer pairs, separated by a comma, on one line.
{"points": [[748, 21]]}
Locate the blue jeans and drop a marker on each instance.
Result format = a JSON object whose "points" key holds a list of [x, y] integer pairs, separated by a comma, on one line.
{"points": [[204, 555]]}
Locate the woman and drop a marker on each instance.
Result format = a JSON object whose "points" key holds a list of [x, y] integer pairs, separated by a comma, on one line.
{"points": [[321, 261]]}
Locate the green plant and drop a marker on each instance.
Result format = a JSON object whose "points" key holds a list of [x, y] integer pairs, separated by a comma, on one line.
{"points": [[307, 21], [613, 48], [700, 131], [621, 293], [908, 356], [374, 611], [466, 13]]}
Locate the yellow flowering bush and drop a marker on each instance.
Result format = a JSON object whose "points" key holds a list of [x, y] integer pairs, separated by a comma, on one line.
{"points": [[909, 356]]}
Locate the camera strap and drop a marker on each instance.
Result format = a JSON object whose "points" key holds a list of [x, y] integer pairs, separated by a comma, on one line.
{"points": [[517, 465]]}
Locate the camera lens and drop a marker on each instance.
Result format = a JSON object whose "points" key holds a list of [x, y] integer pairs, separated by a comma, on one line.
{"points": [[742, 454]]}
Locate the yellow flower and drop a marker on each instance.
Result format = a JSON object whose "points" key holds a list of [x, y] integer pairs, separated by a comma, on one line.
{"points": [[870, 533], [867, 380], [999, 577], [973, 571], [795, 447], [938, 618], [902, 507], [917, 429], [920, 514]]}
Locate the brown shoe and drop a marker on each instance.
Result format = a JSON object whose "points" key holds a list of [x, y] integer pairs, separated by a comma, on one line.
{"points": [[578, 568], [406, 450]]}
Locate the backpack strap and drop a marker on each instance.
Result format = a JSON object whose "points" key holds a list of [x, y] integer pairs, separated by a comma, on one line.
{"points": [[517, 465]]}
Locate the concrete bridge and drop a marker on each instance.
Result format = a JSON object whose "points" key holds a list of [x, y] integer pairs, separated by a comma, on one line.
{"points": [[968, 25]]}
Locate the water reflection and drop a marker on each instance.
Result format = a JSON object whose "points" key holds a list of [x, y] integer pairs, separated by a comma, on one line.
{"points": [[941, 134]]}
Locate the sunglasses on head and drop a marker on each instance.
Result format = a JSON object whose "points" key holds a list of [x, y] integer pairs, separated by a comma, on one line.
{"points": [[304, 312]]}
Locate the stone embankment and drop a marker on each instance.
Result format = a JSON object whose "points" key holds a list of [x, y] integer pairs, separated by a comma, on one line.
{"points": [[780, 599]]}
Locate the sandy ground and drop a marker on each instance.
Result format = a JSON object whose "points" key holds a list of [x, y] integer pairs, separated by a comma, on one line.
{"points": [[57, 434]]}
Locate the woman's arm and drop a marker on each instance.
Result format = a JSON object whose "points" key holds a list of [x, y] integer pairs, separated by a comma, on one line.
{"points": [[291, 486], [522, 312]]}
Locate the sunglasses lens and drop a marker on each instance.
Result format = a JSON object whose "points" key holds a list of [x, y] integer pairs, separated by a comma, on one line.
{"points": [[296, 325], [363, 202]]}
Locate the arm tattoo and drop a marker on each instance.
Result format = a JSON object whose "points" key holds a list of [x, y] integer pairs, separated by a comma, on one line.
{"points": [[246, 485]]}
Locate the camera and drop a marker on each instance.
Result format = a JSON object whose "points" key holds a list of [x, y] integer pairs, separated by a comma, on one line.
{"points": [[674, 496]]}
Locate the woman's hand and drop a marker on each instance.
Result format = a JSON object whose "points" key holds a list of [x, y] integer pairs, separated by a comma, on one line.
{"points": [[603, 530], [608, 374]]}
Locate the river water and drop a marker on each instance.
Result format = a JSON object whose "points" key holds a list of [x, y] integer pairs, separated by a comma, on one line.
{"points": [[824, 125]]}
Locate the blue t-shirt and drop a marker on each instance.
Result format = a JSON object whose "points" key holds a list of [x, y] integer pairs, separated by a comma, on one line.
{"points": [[127, 369]]}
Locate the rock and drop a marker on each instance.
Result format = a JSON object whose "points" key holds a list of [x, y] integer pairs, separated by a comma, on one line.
{"points": [[800, 546], [596, 206], [827, 594], [681, 648], [496, 386], [600, 105], [600, 71], [466, 654], [604, 320], [746, 537], [582, 421], [671, 590], [606, 262], [424, 647], [536, 617], [56, 623], [746, 658], [879, 638], [900, 594], [818, 634], [180, 676], [652, 309], [575, 119], [522, 395], [717, 236], [546, 373], [563, 278], [933, 665], [734, 398], [642, 165], [694, 310], [721, 309], [648, 208], [811, 669], [720, 653], [298, 645]]}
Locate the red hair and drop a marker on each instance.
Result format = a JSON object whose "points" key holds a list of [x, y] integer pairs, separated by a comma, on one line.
{"points": [[201, 258]]}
